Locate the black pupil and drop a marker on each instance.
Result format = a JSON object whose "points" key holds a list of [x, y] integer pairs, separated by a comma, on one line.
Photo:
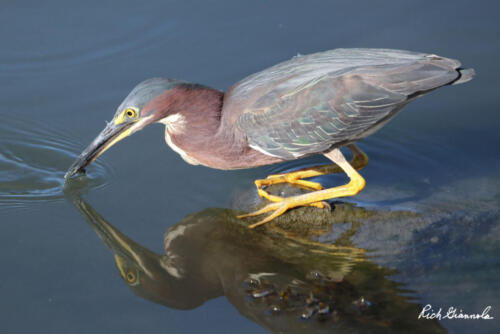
{"points": [[130, 277], [129, 113]]}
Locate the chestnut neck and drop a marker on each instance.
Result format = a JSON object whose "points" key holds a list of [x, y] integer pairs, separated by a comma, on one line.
{"points": [[201, 137], [199, 105]]}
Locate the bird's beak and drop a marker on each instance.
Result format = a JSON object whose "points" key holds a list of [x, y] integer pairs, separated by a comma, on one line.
{"points": [[111, 134], [124, 249]]}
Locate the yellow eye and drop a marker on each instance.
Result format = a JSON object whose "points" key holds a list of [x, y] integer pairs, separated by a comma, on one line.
{"points": [[131, 277], [131, 113]]}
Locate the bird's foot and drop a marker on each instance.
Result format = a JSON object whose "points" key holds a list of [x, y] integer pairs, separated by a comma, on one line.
{"points": [[315, 198], [292, 178], [274, 198], [281, 178], [281, 207], [278, 209], [359, 161]]}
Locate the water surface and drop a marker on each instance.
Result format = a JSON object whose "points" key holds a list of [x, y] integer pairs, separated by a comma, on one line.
{"points": [[66, 65], [33, 160]]}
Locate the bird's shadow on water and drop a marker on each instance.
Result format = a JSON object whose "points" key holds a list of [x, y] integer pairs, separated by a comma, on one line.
{"points": [[277, 276]]}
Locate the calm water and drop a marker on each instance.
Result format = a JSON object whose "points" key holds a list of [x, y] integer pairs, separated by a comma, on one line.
{"points": [[425, 230]]}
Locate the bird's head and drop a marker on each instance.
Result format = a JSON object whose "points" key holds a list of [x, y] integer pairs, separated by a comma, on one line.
{"points": [[149, 102], [162, 279]]}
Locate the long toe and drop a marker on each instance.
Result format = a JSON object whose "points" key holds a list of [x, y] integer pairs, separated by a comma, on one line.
{"points": [[273, 198], [267, 208], [278, 212]]}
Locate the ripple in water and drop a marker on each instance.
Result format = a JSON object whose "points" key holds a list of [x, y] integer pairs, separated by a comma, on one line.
{"points": [[132, 39], [33, 161]]}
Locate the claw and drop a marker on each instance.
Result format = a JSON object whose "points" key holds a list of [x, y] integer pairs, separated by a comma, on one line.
{"points": [[279, 209], [265, 209], [275, 214], [321, 205]]}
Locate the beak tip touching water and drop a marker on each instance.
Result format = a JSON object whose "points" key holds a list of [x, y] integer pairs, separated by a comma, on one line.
{"points": [[73, 171], [107, 138], [78, 167]]}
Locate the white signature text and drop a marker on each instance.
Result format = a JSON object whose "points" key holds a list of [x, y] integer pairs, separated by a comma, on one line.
{"points": [[453, 313]]}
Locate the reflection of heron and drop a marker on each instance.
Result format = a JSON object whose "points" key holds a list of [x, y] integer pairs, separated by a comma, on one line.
{"points": [[271, 279], [308, 105]]}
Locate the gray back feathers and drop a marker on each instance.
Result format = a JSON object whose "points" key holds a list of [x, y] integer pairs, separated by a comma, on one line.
{"points": [[311, 103]]}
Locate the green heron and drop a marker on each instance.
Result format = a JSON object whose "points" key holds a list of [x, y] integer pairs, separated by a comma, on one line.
{"points": [[307, 105]]}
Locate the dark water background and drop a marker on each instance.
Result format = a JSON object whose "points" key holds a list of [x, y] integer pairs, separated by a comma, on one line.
{"points": [[66, 65]]}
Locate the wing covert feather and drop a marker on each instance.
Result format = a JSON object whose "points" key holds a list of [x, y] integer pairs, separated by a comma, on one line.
{"points": [[309, 104], [330, 111]]}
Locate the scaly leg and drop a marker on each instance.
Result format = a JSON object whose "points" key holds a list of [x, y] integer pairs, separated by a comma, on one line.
{"points": [[355, 185], [359, 160]]}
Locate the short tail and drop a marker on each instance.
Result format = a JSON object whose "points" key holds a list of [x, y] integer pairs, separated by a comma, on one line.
{"points": [[466, 74]]}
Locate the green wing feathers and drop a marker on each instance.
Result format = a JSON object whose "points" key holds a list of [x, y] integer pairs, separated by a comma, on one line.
{"points": [[317, 117], [306, 113]]}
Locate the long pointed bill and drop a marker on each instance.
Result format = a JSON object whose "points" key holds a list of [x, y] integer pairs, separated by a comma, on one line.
{"points": [[116, 241], [111, 134], [124, 249]]}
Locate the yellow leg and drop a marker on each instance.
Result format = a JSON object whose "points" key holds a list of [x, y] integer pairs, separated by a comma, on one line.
{"points": [[355, 185], [359, 161]]}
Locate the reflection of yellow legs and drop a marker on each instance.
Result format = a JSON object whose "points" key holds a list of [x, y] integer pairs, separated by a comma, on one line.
{"points": [[359, 160], [280, 205]]}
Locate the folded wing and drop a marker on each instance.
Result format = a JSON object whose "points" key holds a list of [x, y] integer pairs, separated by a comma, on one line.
{"points": [[312, 103]]}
